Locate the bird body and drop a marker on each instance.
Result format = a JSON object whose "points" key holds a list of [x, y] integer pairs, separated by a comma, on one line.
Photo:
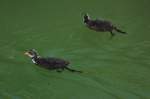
{"points": [[99, 25], [50, 62]]}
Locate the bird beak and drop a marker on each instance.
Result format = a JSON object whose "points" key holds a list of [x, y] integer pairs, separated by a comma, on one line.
{"points": [[26, 53]]}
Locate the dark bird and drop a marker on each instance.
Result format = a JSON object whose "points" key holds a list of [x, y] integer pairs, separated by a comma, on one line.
{"points": [[101, 25], [50, 63]]}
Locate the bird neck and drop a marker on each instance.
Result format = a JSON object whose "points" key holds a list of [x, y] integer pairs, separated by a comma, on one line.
{"points": [[34, 59]]}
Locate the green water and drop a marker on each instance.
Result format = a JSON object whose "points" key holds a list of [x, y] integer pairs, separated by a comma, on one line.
{"points": [[113, 69]]}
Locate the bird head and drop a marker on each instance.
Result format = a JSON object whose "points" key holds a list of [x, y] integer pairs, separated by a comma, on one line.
{"points": [[32, 53], [86, 17]]}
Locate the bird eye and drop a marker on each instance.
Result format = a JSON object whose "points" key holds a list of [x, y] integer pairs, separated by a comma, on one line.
{"points": [[30, 52]]}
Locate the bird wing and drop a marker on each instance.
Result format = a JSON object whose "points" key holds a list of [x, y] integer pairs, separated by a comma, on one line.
{"points": [[54, 60]]}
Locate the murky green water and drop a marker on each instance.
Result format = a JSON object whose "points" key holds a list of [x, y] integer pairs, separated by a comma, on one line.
{"points": [[113, 69]]}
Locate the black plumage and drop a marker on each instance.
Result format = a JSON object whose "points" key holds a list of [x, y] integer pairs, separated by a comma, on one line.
{"points": [[101, 25], [50, 63]]}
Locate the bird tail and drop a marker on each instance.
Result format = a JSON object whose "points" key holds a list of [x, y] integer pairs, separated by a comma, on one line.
{"points": [[72, 70], [120, 31]]}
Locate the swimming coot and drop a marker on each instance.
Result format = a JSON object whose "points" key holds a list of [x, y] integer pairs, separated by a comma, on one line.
{"points": [[49, 62], [101, 25]]}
